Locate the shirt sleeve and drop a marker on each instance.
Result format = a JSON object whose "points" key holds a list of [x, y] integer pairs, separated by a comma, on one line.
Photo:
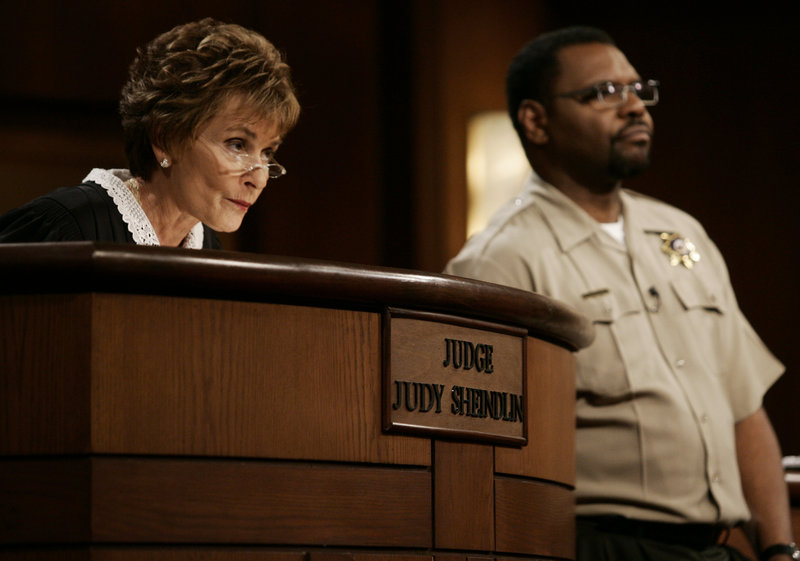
{"points": [[748, 368], [499, 262]]}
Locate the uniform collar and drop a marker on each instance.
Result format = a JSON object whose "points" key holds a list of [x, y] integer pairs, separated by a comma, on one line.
{"points": [[571, 225]]}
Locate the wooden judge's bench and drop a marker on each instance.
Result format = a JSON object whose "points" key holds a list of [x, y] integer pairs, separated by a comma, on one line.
{"points": [[163, 404]]}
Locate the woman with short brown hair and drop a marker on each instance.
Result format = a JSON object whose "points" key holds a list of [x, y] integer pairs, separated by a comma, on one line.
{"points": [[205, 107]]}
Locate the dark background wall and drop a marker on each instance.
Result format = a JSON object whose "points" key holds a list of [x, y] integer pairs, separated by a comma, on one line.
{"points": [[377, 163]]}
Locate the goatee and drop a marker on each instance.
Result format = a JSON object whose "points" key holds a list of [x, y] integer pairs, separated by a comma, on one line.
{"points": [[622, 166]]}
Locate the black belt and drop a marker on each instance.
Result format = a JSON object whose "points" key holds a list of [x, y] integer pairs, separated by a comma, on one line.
{"points": [[693, 535]]}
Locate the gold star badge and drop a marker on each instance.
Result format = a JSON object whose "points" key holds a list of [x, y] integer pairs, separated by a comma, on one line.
{"points": [[679, 249]]}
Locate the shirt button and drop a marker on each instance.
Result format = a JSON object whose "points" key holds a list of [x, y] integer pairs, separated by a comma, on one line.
{"points": [[517, 201], [716, 478], [680, 363], [704, 418]]}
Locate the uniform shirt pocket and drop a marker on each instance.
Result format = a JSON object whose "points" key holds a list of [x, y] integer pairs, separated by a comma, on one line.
{"points": [[601, 373]]}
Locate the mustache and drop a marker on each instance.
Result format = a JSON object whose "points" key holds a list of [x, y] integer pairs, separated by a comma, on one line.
{"points": [[633, 124]]}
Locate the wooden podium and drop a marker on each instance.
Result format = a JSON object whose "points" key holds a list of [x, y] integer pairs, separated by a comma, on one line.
{"points": [[165, 404]]}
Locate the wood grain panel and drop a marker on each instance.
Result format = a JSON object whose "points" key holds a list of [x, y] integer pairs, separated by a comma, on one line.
{"points": [[391, 557], [44, 372], [500, 558], [424, 352], [145, 553], [210, 377], [208, 501], [366, 556], [193, 554], [463, 496], [104, 267], [449, 557], [44, 500], [33, 554], [550, 453], [534, 518]]}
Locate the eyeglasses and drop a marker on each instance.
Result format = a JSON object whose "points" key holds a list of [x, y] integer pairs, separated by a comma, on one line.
{"points": [[244, 162], [267, 161], [612, 94]]}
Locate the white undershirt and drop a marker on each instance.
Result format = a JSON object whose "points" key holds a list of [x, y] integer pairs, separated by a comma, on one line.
{"points": [[615, 229]]}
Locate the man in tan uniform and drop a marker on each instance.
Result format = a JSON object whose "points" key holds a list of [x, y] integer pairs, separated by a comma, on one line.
{"points": [[673, 445]]}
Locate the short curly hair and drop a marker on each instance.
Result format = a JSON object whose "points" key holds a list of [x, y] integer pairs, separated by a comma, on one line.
{"points": [[179, 80]]}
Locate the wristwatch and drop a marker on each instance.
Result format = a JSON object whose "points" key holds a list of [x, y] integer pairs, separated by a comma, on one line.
{"points": [[789, 549]]}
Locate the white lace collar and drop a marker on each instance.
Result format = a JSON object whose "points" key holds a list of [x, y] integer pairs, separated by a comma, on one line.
{"points": [[113, 181]]}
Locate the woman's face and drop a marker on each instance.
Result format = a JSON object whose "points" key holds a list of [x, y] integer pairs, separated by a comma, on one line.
{"points": [[212, 177]]}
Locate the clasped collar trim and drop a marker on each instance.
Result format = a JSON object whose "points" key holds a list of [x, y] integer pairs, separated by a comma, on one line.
{"points": [[139, 226]]}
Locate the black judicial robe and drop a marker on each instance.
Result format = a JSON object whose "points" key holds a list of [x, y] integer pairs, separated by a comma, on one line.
{"points": [[83, 213]]}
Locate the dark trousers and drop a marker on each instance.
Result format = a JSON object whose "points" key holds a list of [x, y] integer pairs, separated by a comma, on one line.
{"points": [[620, 539]]}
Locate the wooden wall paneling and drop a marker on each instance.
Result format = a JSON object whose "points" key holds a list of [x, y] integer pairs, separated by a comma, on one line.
{"points": [[534, 518], [246, 379], [550, 453], [193, 554], [71, 154], [463, 496], [81, 554], [528, 558], [44, 358], [329, 204], [367, 556], [151, 553], [461, 53], [255, 502]]}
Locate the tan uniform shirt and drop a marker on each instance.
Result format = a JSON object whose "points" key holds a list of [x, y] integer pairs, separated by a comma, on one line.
{"points": [[674, 364]]}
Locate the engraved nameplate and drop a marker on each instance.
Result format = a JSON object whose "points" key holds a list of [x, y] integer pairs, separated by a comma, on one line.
{"points": [[453, 377]]}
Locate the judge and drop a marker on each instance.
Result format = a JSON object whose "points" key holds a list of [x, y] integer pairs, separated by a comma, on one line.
{"points": [[204, 110]]}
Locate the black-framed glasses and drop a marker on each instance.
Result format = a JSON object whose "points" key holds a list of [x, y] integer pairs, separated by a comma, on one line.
{"points": [[613, 94]]}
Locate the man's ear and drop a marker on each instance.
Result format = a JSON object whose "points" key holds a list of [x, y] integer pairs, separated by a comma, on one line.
{"points": [[532, 118]]}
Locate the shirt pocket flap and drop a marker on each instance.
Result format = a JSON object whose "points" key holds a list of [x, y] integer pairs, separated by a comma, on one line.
{"points": [[693, 294], [603, 306]]}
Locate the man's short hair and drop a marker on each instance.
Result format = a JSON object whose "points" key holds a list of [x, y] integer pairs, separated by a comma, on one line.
{"points": [[533, 69]]}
